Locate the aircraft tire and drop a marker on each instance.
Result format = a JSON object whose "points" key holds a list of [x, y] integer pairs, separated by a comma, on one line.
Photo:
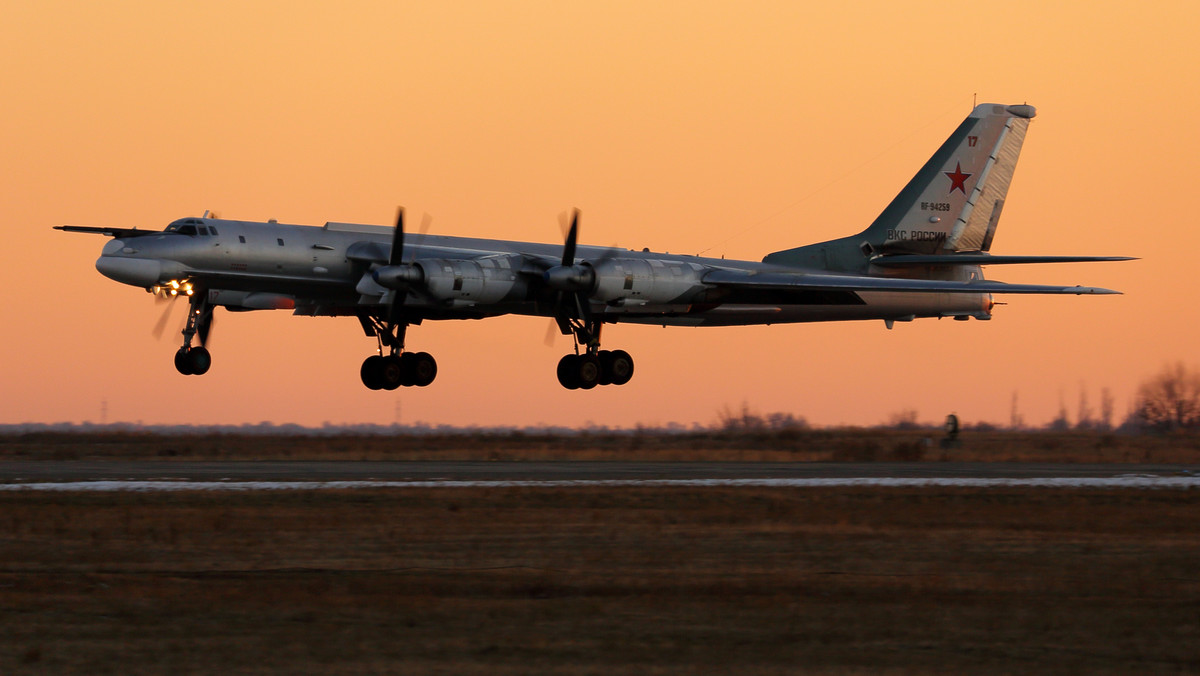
{"points": [[408, 376], [568, 372], [182, 363], [424, 369], [370, 372], [605, 358], [199, 361], [620, 367], [587, 371], [390, 372]]}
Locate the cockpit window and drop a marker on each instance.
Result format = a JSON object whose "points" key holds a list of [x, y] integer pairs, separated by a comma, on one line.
{"points": [[185, 226], [213, 230], [203, 231]]}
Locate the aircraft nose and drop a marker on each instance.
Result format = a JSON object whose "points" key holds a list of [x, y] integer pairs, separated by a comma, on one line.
{"points": [[132, 271]]}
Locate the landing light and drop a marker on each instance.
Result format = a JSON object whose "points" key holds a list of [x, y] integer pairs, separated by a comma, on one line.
{"points": [[173, 288]]}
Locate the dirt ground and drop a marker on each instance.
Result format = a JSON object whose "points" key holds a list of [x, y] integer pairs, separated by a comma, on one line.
{"points": [[602, 581]]}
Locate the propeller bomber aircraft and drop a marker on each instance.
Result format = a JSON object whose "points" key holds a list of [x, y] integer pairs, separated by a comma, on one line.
{"points": [[921, 257]]}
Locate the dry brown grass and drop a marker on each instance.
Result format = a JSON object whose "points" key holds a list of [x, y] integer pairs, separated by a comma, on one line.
{"points": [[601, 581], [857, 445]]}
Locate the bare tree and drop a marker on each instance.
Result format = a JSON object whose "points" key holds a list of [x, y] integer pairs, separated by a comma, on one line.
{"points": [[1170, 400], [1062, 422], [1083, 420], [905, 419], [1106, 409]]}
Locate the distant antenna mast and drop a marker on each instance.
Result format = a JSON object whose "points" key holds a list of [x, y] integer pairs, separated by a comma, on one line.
{"points": [[974, 100]]}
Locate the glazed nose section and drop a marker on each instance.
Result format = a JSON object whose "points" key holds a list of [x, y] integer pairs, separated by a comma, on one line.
{"points": [[132, 271]]}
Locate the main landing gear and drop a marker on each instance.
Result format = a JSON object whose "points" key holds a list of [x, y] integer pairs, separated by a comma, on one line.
{"points": [[594, 366], [397, 368], [195, 361]]}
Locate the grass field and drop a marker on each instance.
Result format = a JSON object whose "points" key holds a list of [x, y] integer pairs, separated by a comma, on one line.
{"points": [[602, 581], [801, 445]]}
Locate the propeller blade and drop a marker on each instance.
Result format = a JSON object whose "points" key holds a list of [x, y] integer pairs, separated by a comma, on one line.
{"points": [[572, 236], [161, 324], [398, 239], [426, 223]]}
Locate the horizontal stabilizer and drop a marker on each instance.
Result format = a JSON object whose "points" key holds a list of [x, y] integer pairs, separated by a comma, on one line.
{"points": [[121, 233], [783, 281], [985, 259]]}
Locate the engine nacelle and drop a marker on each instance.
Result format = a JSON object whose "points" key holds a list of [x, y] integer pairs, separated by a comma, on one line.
{"points": [[397, 276], [647, 281], [482, 280]]}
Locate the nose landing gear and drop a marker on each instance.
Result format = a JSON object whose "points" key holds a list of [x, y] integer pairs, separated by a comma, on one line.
{"points": [[195, 361]]}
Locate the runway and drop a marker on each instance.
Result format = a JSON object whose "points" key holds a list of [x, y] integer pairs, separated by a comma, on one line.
{"points": [[327, 475]]}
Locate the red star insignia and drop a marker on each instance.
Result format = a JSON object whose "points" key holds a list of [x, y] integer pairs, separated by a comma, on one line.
{"points": [[958, 180]]}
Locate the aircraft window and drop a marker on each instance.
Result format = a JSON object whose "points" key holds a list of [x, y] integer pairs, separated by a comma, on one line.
{"points": [[242, 239], [203, 231], [280, 240], [184, 226], [213, 230]]}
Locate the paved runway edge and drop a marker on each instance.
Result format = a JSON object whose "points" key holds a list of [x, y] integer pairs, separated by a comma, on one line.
{"points": [[327, 475]]}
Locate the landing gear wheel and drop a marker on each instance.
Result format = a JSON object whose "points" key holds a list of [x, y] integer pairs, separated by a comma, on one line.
{"points": [[424, 369], [408, 375], [620, 367], [587, 371], [605, 358], [391, 372], [199, 360], [568, 373], [182, 363], [193, 362], [372, 372]]}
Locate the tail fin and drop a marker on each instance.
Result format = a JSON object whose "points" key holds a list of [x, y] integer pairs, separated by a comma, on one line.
{"points": [[952, 204], [954, 201]]}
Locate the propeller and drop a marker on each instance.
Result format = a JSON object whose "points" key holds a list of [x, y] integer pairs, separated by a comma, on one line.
{"points": [[574, 282], [571, 281], [398, 274]]}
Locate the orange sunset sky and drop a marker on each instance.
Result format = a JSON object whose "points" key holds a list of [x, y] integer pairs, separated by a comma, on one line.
{"points": [[732, 128]]}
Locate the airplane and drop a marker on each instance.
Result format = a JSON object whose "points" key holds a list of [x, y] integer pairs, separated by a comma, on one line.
{"points": [[921, 257]]}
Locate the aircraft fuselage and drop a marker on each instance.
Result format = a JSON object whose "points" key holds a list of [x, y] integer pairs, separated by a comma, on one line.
{"points": [[314, 270]]}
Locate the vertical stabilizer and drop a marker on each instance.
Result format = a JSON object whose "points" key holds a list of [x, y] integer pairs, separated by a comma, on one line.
{"points": [[952, 204], [954, 201]]}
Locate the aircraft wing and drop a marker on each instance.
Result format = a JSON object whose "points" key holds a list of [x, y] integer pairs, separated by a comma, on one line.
{"points": [[122, 233], [802, 284], [985, 259]]}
